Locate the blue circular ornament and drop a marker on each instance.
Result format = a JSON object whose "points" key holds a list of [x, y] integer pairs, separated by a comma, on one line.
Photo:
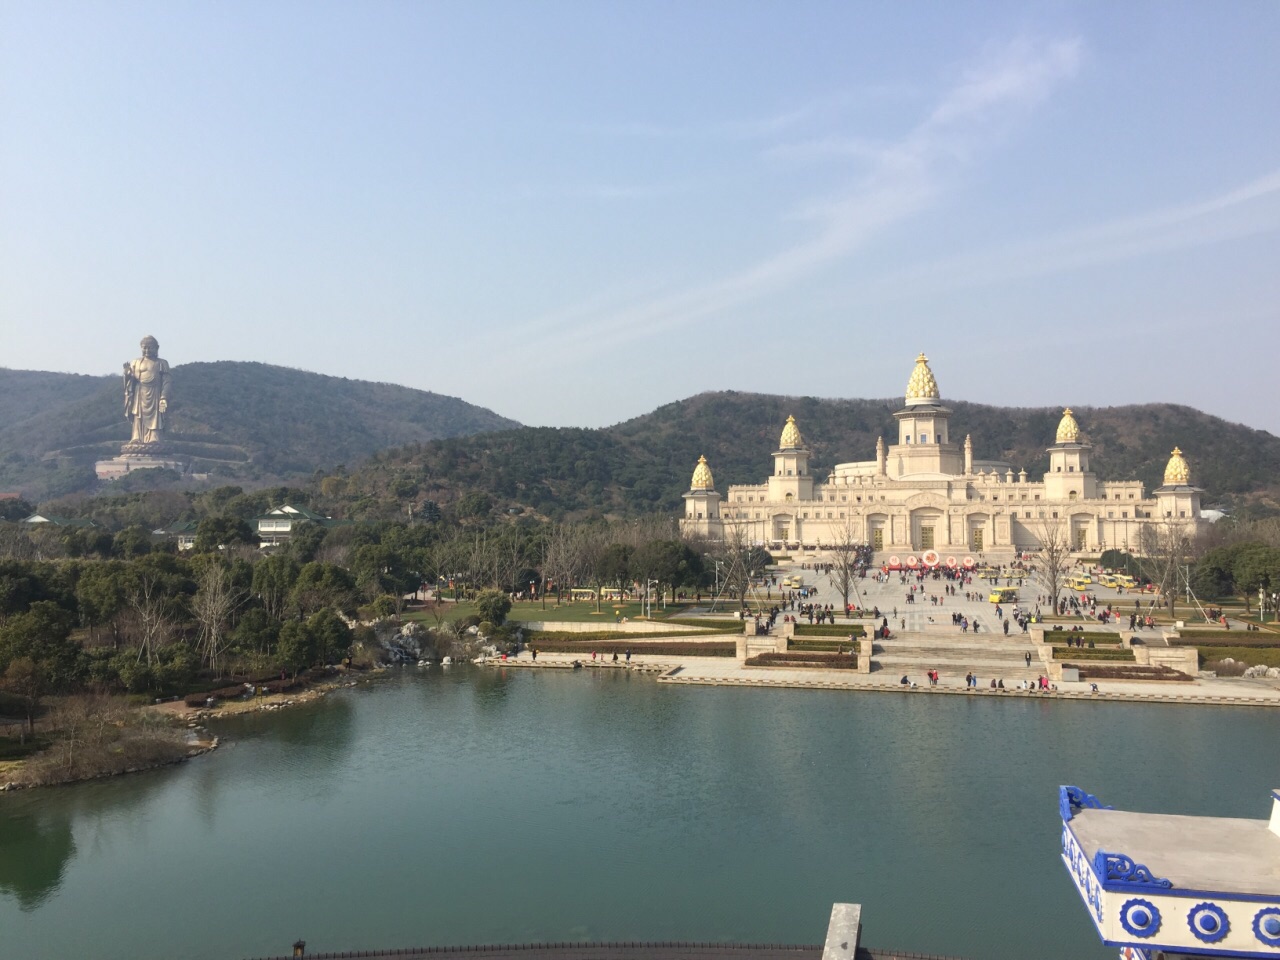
{"points": [[1208, 922], [1141, 918], [1266, 926]]}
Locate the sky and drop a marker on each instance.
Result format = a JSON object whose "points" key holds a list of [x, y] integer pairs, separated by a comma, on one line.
{"points": [[575, 212]]}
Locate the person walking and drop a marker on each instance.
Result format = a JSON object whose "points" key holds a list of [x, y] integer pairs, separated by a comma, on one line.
{"points": [[1028, 658]]}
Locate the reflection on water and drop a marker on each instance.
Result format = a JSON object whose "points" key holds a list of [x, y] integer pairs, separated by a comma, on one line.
{"points": [[469, 806], [34, 851]]}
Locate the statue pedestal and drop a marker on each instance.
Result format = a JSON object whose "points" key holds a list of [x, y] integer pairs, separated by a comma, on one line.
{"points": [[126, 463]]}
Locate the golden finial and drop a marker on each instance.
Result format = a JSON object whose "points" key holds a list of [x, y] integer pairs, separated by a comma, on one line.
{"points": [[702, 476], [1068, 429], [790, 436], [1177, 473], [922, 387]]}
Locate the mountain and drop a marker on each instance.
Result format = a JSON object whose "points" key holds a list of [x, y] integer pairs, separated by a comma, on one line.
{"points": [[242, 421], [645, 464]]}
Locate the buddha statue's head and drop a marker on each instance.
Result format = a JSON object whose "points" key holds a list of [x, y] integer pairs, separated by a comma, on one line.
{"points": [[150, 347]]}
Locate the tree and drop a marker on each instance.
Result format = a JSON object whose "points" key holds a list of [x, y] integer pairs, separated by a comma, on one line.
{"points": [[273, 581], [131, 542], [321, 585], [1055, 557], [296, 647], [493, 605], [42, 634], [101, 594], [845, 560], [330, 635], [215, 602], [215, 532], [1165, 549], [27, 679]]}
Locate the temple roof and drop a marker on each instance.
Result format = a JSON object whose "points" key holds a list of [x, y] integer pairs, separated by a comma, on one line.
{"points": [[922, 387], [1068, 429], [790, 436], [1177, 472], [702, 479]]}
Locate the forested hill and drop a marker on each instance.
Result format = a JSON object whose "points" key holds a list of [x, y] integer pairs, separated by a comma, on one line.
{"points": [[645, 464], [242, 421]]}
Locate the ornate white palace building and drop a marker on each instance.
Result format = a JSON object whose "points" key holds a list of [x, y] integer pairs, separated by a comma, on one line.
{"points": [[927, 493]]}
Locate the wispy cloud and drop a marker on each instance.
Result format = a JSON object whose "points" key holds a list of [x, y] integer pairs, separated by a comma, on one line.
{"points": [[896, 180], [1249, 209]]}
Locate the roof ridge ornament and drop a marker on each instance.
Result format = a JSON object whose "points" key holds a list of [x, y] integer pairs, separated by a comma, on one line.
{"points": [[923, 386]]}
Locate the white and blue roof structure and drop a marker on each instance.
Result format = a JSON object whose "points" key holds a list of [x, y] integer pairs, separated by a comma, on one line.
{"points": [[1159, 885]]}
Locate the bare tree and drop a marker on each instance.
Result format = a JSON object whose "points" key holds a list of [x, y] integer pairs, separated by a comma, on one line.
{"points": [[153, 612], [845, 562], [1165, 549], [1055, 557], [216, 600]]}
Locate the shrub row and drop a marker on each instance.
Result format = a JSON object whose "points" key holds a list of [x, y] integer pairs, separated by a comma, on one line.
{"points": [[1252, 656], [1230, 634], [829, 646], [712, 648], [829, 661], [1075, 653], [1237, 638], [726, 626], [601, 636], [1093, 672], [830, 630]]}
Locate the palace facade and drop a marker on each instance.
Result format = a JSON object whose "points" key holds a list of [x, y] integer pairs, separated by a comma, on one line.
{"points": [[926, 492]]}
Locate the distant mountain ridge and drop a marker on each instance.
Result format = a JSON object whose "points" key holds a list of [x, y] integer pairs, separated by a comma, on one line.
{"points": [[241, 420], [645, 464]]}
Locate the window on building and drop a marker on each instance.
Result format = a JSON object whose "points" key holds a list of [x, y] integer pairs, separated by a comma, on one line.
{"points": [[1037, 496], [1071, 469], [1027, 515], [924, 438], [908, 438], [1124, 514], [806, 514], [841, 514], [1055, 514], [1131, 496], [1071, 494], [939, 438], [1041, 514], [1182, 513], [1057, 469], [1110, 514]]}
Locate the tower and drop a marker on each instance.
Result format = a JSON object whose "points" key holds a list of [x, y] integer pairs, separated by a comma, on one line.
{"points": [[701, 502], [924, 446], [1177, 498], [1069, 476], [791, 480]]}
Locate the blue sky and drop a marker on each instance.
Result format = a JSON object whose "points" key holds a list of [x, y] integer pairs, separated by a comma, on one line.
{"points": [[575, 212]]}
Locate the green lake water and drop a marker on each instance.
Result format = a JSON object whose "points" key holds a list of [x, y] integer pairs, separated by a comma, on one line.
{"points": [[488, 806]]}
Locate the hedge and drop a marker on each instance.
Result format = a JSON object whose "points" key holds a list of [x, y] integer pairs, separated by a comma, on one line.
{"points": [[1076, 653], [726, 626], [603, 636], [713, 648], [829, 646], [1101, 639], [830, 630], [1238, 638], [1205, 634], [1093, 672], [1250, 656], [829, 661]]}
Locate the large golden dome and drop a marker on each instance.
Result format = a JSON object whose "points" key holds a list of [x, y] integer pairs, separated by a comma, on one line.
{"points": [[1068, 429], [790, 436], [702, 476], [1177, 473], [922, 387]]}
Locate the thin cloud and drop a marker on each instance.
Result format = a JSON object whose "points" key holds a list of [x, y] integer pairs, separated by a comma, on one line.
{"points": [[900, 179]]}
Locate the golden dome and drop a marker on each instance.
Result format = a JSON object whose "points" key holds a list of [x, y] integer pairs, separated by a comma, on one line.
{"points": [[1177, 473], [702, 476], [1068, 429], [922, 387], [790, 436]]}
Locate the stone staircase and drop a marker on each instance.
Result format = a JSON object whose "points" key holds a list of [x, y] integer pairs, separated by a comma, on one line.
{"points": [[999, 657]]}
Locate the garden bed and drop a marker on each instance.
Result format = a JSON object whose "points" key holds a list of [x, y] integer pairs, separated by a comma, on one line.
{"points": [[692, 648], [845, 630], [1236, 638], [1095, 672], [1115, 654], [826, 661]]}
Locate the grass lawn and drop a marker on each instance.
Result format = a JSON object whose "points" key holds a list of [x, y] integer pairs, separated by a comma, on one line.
{"points": [[566, 612]]}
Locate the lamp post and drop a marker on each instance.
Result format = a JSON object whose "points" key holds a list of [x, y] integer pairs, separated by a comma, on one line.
{"points": [[533, 594], [648, 596]]}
